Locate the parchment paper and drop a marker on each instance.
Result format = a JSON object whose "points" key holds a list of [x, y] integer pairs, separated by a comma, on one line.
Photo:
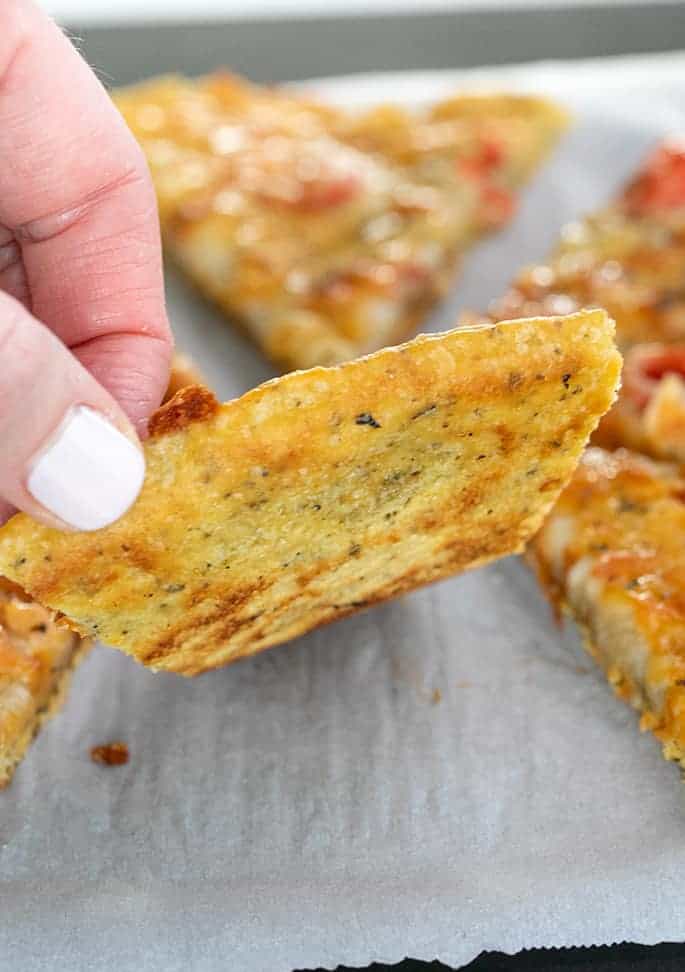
{"points": [[444, 774]]}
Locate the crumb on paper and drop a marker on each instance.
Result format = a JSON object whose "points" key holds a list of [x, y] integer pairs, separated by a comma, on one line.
{"points": [[436, 696], [110, 754]]}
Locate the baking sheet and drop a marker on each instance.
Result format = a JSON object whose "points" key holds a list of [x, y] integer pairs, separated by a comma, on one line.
{"points": [[441, 775]]}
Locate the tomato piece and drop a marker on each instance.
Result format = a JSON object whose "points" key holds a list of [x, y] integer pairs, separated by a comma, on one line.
{"points": [[327, 188], [380, 277], [411, 272], [489, 156], [315, 195], [498, 205], [329, 193], [492, 154], [646, 365], [661, 183]]}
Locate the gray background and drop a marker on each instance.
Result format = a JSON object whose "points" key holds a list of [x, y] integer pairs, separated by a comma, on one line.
{"points": [[273, 50]]}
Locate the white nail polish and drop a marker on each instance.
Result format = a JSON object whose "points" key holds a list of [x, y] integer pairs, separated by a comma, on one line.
{"points": [[89, 473]]}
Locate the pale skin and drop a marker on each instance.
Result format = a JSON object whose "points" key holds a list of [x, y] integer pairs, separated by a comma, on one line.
{"points": [[82, 315]]}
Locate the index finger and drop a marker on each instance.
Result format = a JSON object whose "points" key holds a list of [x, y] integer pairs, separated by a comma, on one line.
{"points": [[76, 195]]}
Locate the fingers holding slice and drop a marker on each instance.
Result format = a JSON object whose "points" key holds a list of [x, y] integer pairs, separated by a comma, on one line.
{"points": [[70, 457], [78, 209]]}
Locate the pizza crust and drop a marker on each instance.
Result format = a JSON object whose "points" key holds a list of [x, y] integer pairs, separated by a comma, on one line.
{"points": [[326, 491]]}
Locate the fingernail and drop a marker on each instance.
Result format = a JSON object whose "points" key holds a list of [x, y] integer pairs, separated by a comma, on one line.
{"points": [[89, 473]]}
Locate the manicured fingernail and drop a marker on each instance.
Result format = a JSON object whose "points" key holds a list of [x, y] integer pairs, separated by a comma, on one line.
{"points": [[89, 473]]}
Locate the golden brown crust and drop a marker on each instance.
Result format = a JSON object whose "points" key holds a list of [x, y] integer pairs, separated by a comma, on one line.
{"points": [[613, 549], [327, 234], [326, 491]]}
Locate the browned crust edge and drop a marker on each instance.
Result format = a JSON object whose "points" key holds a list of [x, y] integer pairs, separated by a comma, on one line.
{"points": [[620, 682], [194, 403]]}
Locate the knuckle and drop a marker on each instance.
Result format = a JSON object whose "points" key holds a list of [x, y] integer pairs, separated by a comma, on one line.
{"points": [[51, 225]]}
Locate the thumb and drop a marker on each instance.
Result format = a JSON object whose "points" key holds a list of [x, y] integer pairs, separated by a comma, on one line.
{"points": [[68, 455]]}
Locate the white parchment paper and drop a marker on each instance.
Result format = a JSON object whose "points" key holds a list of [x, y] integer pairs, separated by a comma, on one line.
{"points": [[444, 774]]}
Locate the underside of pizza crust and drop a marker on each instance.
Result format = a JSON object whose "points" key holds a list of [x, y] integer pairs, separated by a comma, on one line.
{"points": [[612, 555], [325, 491]]}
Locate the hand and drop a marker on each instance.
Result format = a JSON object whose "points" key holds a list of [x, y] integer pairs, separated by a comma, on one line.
{"points": [[84, 340]]}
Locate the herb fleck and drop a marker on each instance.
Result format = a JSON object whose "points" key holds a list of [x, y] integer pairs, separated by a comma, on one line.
{"points": [[366, 418], [566, 379]]}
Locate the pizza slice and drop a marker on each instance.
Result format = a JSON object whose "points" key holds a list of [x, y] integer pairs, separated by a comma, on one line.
{"points": [[328, 234], [492, 141], [38, 654], [326, 491], [612, 554], [630, 259], [37, 657]]}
